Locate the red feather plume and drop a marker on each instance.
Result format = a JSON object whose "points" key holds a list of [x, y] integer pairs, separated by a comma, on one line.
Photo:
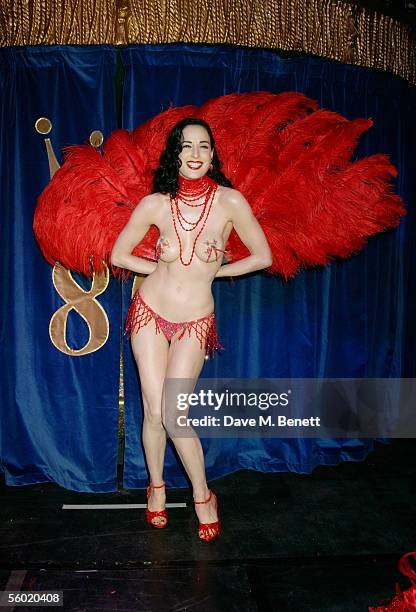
{"points": [[290, 159]]}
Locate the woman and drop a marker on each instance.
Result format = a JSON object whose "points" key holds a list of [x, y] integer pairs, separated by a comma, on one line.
{"points": [[195, 209]]}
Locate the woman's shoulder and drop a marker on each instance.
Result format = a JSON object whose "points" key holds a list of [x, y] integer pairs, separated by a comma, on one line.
{"points": [[152, 201], [232, 197], [150, 206]]}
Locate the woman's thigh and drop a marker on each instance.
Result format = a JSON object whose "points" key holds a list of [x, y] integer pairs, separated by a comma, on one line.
{"points": [[186, 359], [150, 352]]}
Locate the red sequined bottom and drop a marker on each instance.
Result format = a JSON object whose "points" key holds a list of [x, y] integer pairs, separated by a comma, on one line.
{"points": [[140, 314]]}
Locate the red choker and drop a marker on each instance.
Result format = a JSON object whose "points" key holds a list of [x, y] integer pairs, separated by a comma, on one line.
{"points": [[195, 187]]}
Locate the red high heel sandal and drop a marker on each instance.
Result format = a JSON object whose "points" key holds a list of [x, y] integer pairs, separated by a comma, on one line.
{"points": [[209, 531], [151, 515]]}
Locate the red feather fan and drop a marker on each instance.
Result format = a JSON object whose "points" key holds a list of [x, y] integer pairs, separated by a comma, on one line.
{"points": [[291, 160], [403, 601]]}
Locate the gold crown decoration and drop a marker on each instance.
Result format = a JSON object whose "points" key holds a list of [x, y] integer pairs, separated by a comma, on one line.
{"points": [[96, 139], [43, 126], [336, 29]]}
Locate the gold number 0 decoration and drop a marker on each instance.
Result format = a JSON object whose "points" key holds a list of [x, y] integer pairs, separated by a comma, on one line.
{"points": [[85, 304]]}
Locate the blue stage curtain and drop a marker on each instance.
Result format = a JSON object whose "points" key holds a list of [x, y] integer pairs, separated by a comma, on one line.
{"points": [[59, 413], [348, 319]]}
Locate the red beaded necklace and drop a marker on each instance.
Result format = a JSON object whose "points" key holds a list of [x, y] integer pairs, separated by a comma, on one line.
{"points": [[189, 192]]}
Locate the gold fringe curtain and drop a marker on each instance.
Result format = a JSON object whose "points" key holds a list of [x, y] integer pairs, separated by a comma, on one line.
{"points": [[335, 29]]}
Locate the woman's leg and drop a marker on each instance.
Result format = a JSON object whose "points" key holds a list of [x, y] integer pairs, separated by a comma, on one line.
{"points": [[185, 361], [151, 352]]}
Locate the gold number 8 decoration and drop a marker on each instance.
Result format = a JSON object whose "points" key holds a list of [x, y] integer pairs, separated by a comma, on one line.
{"points": [[85, 304]]}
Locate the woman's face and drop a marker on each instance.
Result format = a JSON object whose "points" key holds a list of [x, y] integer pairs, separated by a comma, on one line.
{"points": [[196, 154]]}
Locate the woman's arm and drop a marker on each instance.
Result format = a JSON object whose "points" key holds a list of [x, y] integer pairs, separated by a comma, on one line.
{"points": [[250, 232], [143, 216]]}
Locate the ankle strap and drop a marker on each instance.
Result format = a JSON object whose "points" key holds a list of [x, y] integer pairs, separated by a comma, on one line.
{"points": [[206, 501], [153, 486]]}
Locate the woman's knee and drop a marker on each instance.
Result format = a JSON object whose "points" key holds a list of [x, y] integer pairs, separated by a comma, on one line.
{"points": [[152, 411]]}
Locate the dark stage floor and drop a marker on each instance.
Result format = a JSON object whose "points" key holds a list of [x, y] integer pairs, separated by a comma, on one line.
{"points": [[330, 540]]}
